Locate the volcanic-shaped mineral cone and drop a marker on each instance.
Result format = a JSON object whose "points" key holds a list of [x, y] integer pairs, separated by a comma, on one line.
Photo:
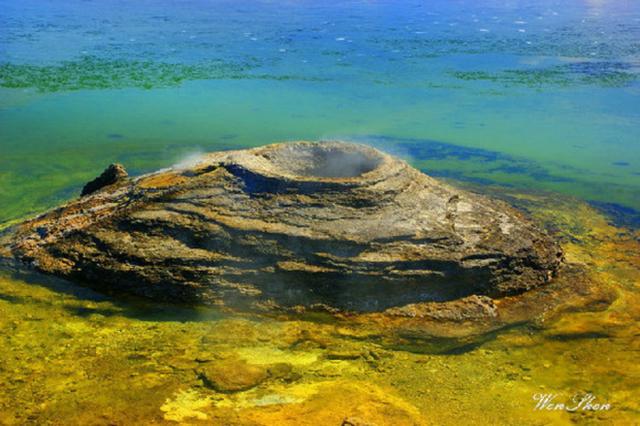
{"points": [[301, 224]]}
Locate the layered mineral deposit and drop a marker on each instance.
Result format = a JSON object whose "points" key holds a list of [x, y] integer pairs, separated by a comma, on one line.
{"points": [[296, 225]]}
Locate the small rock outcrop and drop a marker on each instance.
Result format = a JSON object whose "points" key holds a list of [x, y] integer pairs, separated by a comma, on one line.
{"points": [[334, 225], [112, 174]]}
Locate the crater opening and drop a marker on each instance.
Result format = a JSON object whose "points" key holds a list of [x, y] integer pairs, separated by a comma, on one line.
{"points": [[324, 159]]}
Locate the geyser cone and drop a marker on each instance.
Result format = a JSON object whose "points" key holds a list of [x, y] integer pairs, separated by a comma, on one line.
{"points": [[298, 224]]}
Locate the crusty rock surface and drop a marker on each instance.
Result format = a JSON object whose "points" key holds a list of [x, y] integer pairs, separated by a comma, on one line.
{"points": [[301, 224]]}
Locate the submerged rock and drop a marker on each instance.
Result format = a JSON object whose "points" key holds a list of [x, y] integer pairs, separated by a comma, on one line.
{"points": [[331, 224], [232, 375]]}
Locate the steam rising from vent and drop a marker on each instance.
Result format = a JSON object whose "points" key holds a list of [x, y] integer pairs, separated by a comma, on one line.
{"points": [[188, 161], [324, 160]]}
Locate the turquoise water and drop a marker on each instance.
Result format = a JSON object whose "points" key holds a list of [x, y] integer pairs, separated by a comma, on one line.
{"points": [[541, 95]]}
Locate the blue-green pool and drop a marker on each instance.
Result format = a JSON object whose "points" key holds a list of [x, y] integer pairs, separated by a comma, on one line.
{"points": [[541, 95]]}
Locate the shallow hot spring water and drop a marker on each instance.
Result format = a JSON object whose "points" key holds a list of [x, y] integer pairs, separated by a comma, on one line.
{"points": [[75, 354]]}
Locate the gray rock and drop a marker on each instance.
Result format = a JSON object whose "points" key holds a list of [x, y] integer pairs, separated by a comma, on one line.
{"points": [[333, 225]]}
